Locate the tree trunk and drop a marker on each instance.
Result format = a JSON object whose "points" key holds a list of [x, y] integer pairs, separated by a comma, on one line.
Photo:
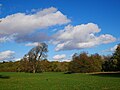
{"points": [[34, 69]]}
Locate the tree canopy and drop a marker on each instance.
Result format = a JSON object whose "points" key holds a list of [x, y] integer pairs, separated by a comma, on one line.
{"points": [[37, 53]]}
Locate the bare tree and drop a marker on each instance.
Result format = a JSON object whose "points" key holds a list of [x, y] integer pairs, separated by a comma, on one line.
{"points": [[37, 53]]}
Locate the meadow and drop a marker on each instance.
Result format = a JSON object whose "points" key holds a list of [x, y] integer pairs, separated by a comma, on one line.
{"points": [[58, 81]]}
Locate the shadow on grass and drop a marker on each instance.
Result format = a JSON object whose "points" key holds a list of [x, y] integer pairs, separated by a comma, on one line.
{"points": [[108, 74], [4, 77]]}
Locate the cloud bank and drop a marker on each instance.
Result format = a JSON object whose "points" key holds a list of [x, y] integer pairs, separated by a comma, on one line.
{"points": [[79, 37], [25, 26]]}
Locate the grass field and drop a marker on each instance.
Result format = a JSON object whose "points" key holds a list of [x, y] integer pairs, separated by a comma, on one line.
{"points": [[58, 81]]}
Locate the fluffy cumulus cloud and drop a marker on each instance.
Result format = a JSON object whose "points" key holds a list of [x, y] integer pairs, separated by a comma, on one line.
{"points": [[79, 37], [6, 55], [59, 57], [26, 26]]}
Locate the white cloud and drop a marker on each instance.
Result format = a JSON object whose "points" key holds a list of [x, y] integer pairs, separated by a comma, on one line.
{"points": [[66, 60], [59, 57], [7, 38], [17, 59], [26, 24], [32, 44], [79, 37], [111, 49], [4, 39], [6, 55]]}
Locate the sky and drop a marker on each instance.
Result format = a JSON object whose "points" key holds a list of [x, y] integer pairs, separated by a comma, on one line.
{"points": [[67, 26]]}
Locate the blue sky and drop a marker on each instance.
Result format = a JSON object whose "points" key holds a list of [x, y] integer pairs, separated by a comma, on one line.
{"points": [[67, 26]]}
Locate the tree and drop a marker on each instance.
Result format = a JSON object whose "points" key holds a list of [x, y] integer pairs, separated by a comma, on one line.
{"points": [[80, 63], [44, 65], [116, 58], [36, 54], [107, 63], [112, 63], [97, 61], [84, 63]]}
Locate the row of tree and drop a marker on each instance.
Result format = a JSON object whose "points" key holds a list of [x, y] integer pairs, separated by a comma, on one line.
{"points": [[35, 61], [42, 66]]}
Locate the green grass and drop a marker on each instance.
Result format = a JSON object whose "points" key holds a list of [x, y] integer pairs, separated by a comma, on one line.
{"points": [[58, 81]]}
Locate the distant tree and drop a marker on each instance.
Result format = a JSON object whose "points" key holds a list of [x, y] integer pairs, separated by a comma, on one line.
{"points": [[57, 66], [9, 66], [36, 54], [107, 63], [44, 65], [112, 63], [25, 65], [116, 58], [96, 62], [82, 63]]}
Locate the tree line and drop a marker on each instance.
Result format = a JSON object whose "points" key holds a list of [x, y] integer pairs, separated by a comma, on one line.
{"points": [[35, 62]]}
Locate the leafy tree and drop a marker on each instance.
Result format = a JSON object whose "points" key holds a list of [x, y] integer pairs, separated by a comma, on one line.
{"points": [[116, 58], [107, 63], [80, 63], [36, 54], [9, 66], [44, 65], [96, 62], [84, 63], [112, 63]]}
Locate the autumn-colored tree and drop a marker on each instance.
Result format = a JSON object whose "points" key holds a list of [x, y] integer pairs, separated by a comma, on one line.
{"points": [[84, 63], [44, 65], [96, 62], [80, 63]]}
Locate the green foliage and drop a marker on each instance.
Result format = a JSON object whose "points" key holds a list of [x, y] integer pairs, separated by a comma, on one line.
{"points": [[9, 66], [112, 63], [96, 62], [107, 64], [84, 63], [41, 66], [116, 58], [81, 63], [58, 81], [56, 66]]}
